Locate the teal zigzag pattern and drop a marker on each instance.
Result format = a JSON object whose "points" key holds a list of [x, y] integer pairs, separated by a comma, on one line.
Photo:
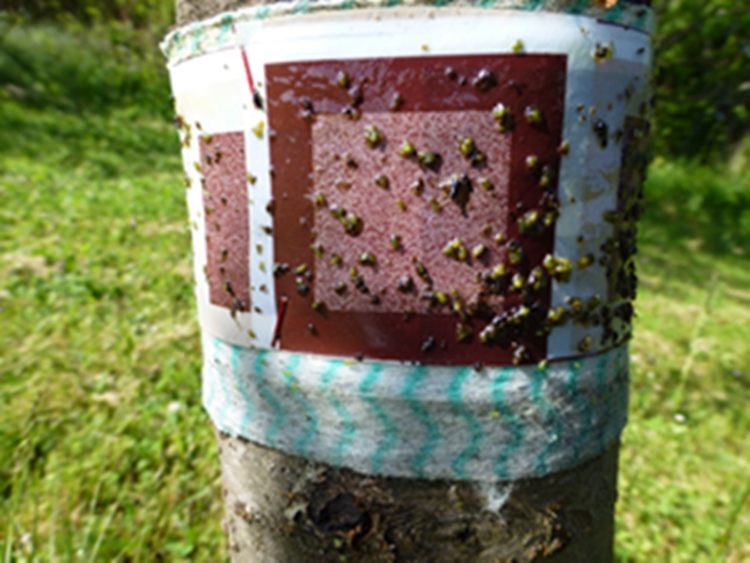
{"points": [[573, 387], [390, 432], [247, 413], [389, 418], [302, 443], [432, 432], [501, 404], [277, 410], [462, 408], [546, 410], [218, 32], [349, 429]]}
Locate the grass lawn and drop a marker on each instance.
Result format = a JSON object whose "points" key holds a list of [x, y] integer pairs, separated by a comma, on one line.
{"points": [[685, 464], [105, 452]]}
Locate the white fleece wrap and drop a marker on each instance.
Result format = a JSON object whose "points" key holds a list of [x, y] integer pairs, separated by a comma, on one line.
{"points": [[389, 418]]}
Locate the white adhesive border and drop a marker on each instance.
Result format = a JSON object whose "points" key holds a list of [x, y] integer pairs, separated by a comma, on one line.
{"points": [[213, 89]]}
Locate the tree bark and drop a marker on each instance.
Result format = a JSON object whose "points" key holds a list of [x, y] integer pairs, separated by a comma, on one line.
{"points": [[194, 10], [283, 508]]}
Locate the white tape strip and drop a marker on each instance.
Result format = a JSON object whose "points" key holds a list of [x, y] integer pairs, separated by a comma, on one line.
{"points": [[388, 418]]}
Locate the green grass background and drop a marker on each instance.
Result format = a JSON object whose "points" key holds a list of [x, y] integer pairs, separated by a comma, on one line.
{"points": [[105, 452]]}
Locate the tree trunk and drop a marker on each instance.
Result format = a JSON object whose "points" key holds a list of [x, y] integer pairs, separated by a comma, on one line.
{"points": [[189, 11], [284, 508]]}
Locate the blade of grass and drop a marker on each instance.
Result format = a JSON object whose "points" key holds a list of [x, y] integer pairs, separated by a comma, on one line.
{"points": [[723, 544], [103, 530], [8, 544], [678, 395]]}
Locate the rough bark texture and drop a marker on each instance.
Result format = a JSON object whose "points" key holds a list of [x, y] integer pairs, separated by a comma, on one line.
{"points": [[284, 508], [193, 10]]}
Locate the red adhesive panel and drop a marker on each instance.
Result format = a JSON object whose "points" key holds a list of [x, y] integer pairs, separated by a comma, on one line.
{"points": [[422, 226], [343, 203], [227, 222]]}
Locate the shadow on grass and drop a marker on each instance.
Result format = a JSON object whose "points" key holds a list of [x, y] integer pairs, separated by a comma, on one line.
{"points": [[95, 97], [83, 69], [706, 203], [116, 143], [696, 226]]}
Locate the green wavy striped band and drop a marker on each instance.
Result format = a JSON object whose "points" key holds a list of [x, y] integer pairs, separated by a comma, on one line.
{"points": [[219, 31], [406, 420]]}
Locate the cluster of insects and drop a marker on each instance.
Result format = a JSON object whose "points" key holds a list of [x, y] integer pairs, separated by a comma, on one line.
{"points": [[505, 305], [619, 250], [227, 257], [515, 286]]}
